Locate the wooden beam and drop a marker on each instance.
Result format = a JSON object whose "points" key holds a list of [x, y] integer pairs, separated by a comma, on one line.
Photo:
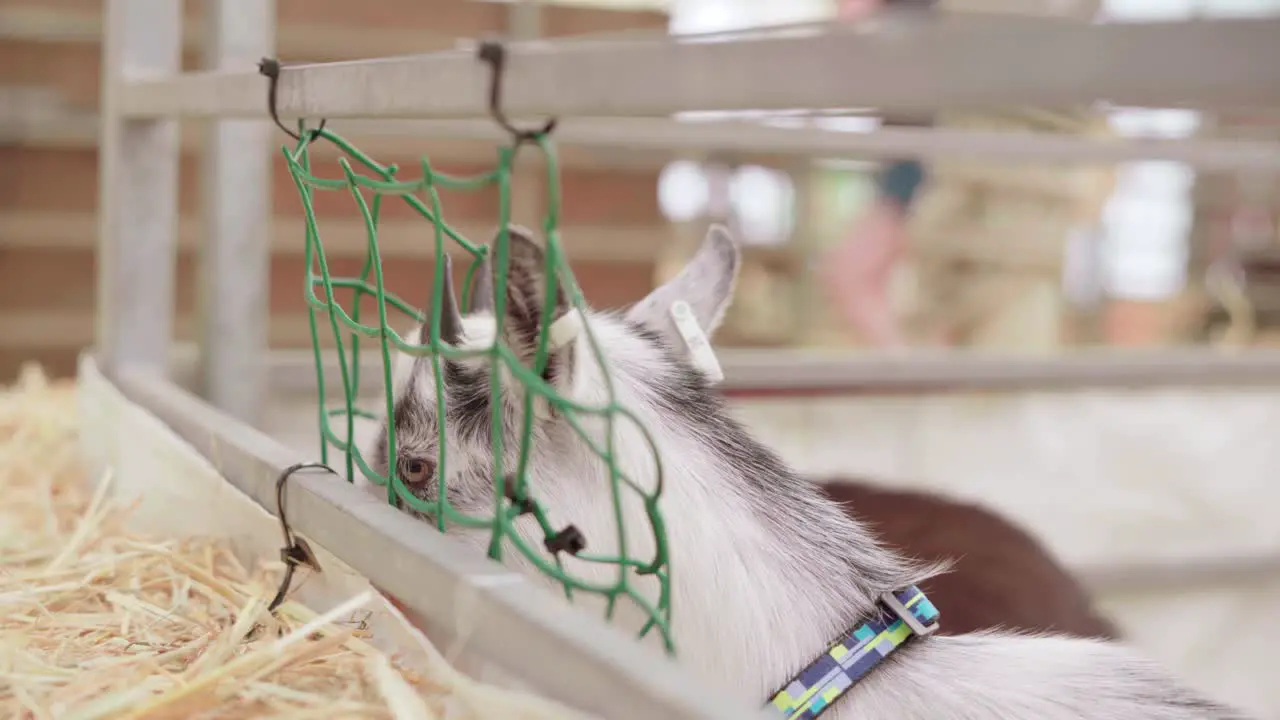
{"points": [[771, 142], [814, 373], [644, 144], [919, 67], [801, 373]]}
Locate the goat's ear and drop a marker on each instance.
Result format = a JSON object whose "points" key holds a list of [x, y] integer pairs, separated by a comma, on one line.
{"points": [[526, 296], [706, 283], [481, 298]]}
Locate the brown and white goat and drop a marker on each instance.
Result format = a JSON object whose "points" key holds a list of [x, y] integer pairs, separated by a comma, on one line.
{"points": [[767, 570]]}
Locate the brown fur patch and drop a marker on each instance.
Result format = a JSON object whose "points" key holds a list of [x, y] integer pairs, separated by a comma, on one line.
{"points": [[1002, 576]]}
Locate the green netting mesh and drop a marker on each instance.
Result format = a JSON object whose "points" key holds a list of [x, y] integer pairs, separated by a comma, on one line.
{"points": [[326, 296]]}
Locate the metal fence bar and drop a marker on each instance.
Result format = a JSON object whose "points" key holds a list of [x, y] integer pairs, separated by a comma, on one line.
{"points": [[909, 67], [137, 189], [568, 655], [1181, 574], [785, 372], [648, 142], [236, 250], [755, 138], [801, 373]]}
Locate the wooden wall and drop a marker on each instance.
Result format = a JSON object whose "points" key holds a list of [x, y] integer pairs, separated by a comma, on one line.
{"points": [[49, 77]]}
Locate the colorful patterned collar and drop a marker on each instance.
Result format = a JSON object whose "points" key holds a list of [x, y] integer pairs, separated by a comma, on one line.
{"points": [[903, 613]]}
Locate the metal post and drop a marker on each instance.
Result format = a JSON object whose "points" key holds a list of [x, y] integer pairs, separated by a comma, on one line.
{"points": [[235, 256], [137, 190], [528, 191]]}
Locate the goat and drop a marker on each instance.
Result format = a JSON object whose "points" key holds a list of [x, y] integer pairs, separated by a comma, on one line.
{"points": [[1001, 576], [767, 571]]}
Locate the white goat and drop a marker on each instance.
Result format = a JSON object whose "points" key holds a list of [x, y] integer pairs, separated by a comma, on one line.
{"points": [[767, 572]]}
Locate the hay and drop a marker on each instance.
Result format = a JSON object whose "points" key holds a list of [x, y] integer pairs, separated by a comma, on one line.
{"points": [[100, 622]]}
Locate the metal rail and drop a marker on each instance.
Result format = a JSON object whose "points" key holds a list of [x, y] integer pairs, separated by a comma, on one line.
{"points": [[235, 255], [924, 66], [753, 138], [138, 190], [823, 373], [649, 143], [800, 373]]}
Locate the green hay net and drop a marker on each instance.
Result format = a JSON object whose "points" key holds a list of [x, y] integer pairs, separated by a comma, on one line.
{"points": [[336, 302]]}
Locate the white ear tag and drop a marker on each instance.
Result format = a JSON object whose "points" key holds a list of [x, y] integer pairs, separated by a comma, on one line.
{"points": [[565, 330], [700, 352]]}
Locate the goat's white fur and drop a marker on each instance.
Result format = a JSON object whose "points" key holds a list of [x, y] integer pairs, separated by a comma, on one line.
{"points": [[751, 607]]}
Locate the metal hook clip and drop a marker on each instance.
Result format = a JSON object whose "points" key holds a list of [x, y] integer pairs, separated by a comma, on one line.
{"points": [[270, 67], [296, 551], [495, 53]]}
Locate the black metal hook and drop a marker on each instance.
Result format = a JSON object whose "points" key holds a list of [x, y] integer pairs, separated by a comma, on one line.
{"points": [[495, 53], [270, 67], [296, 551]]}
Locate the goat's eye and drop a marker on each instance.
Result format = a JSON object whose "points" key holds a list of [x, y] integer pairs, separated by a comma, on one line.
{"points": [[418, 472]]}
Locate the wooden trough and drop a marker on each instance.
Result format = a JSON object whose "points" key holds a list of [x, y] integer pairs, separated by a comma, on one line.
{"points": [[137, 583], [166, 450]]}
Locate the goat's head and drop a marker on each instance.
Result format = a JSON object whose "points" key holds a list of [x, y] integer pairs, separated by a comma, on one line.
{"points": [[643, 349]]}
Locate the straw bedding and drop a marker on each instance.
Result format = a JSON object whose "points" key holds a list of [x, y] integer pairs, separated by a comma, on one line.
{"points": [[99, 622]]}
